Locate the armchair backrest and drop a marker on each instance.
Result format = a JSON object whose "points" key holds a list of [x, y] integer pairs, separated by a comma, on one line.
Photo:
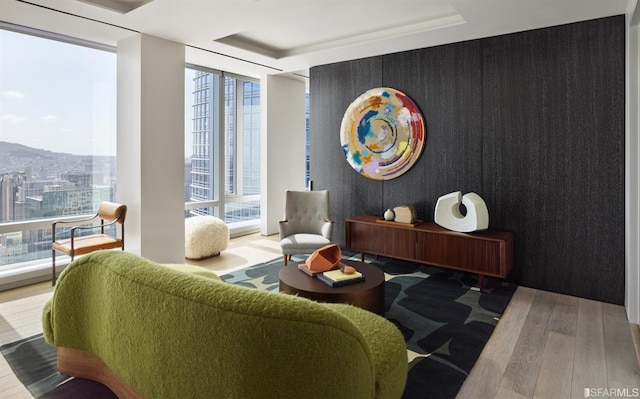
{"points": [[307, 211], [111, 211]]}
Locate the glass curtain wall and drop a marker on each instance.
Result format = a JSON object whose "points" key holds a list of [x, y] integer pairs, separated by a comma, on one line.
{"points": [[201, 142], [58, 140], [57, 137], [222, 143]]}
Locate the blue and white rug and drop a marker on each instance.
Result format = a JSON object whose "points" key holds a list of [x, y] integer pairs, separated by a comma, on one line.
{"points": [[445, 320]]}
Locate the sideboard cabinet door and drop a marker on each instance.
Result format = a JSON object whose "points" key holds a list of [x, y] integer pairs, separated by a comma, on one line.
{"points": [[471, 253], [382, 240]]}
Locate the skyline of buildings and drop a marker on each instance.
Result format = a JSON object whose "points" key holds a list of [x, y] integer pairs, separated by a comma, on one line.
{"points": [[40, 184], [241, 166], [25, 196]]}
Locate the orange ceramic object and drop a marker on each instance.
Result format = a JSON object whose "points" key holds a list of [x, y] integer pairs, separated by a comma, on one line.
{"points": [[325, 258], [347, 269]]}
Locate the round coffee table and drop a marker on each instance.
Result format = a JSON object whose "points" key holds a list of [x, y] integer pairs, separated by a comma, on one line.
{"points": [[368, 294]]}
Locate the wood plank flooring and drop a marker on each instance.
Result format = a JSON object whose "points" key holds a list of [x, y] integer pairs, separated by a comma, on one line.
{"points": [[546, 345], [550, 345]]}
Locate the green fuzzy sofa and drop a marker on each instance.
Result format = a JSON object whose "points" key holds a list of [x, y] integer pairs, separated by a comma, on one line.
{"points": [[177, 331]]}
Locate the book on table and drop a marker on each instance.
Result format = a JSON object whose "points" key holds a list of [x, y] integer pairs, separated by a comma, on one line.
{"points": [[336, 278], [304, 268]]}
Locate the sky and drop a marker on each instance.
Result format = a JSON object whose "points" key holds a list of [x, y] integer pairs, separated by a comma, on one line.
{"points": [[62, 97], [57, 96]]}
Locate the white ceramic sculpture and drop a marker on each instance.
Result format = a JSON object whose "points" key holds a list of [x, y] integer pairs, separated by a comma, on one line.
{"points": [[389, 215], [448, 214]]}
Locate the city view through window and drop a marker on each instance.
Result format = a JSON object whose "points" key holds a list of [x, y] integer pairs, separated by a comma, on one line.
{"points": [[58, 141], [57, 138], [229, 189]]}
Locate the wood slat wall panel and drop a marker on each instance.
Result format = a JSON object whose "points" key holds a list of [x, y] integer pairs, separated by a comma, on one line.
{"points": [[446, 83], [553, 129], [332, 89], [531, 121]]}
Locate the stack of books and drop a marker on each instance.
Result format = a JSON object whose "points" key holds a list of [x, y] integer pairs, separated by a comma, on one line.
{"points": [[336, 278], [304, 268]]}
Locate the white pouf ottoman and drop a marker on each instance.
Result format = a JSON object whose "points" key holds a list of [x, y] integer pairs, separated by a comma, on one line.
{"points": [[205, 236]]}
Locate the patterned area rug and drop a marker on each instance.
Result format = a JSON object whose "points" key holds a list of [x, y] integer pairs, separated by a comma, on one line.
{"points": [[33, 361], [445, 322]]}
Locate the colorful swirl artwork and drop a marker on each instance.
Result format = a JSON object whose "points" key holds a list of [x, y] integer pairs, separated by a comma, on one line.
{"points": [[382, 133]]}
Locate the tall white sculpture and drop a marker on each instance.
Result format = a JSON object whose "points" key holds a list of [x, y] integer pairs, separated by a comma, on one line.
{"points": [[447, 213]]}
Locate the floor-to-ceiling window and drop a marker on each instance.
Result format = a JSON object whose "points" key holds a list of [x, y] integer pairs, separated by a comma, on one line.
{"points": [[57, 138], [222, 147]]}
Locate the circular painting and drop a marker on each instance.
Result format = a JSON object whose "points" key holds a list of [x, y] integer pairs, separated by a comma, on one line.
{"points": [[382, 133]]}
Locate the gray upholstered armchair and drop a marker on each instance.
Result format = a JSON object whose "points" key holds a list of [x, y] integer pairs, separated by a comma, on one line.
{"points": [[306, 226]]}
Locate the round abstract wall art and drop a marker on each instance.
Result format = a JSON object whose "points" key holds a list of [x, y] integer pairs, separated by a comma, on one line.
{"points": [[382, 133]]}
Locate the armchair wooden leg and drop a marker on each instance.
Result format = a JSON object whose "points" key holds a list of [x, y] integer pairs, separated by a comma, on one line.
{"points": [[285, 259], [53, 267]]}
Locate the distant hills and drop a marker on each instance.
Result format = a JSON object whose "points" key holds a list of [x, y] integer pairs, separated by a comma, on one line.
{"points": [[18, 158], [11, 150]]}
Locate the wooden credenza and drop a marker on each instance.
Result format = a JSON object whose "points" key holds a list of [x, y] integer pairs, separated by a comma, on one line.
{"points": [[487, 252]]}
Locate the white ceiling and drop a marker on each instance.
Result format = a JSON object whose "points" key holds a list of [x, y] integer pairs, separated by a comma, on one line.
{"points": [[290, 36]]}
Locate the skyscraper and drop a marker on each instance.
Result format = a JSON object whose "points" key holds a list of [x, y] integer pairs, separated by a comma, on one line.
{"points": [[9, 183], [239, 147], [205, 133]]}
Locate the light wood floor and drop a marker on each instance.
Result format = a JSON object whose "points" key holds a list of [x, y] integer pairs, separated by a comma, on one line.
{"points": [[549, 345], [545, 346]]}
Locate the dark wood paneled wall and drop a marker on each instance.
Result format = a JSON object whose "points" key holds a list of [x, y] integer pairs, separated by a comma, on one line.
{"points": [[532, 121]]}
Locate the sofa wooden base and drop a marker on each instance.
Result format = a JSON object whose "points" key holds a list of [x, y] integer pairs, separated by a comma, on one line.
{"points": [[81, 364]]}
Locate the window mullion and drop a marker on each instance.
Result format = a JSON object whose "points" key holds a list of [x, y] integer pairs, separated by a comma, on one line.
{"points": [[220, 156], [239, 137]]}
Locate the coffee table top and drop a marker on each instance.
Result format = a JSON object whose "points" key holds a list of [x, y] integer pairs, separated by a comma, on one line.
{"points": [[294, 277], [368, 294]]}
